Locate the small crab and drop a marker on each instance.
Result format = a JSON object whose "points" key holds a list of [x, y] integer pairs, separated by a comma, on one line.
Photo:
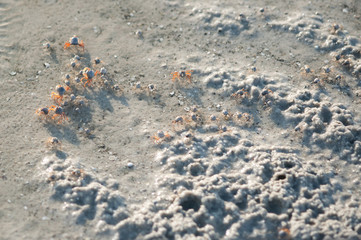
{"points": [[76, 58], [151, 89], [103, 71], [47, 45], [335, 29], [326, 69], [266, 96], [247, 117], [266, 92], [188, 137], [194, 109], [252, 69], [346, 62], [226, 115], [140, 90], [194, 117], [161, 136], [182, 74], [59, 94], [74, 63], [43, 112], [53, 143], [74, 41], [238, 115], [284, 233], [178, 120], [213, 120], [67, 83], [178, 123], [88, 75], [223, 129], [97, 60], [58, 112], [306, 71], [338, 78], [240, 94], [337, 57], [319, 82], [243, 118], [326, 73], [78, 101], [76, 174], [53, 177]]}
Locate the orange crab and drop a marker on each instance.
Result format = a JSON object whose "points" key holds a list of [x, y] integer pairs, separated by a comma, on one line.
{"points": [[59, 94], [161, 136], [284, 233], [226, 115], [88, 75], [306, 71], [326, 72], [223, 129], [243, 118], [266, 96], [181, 123], [266, 93], [58, 112], [212, 119], [179, 120], [74, 41], [240, 94], [182, 74], [53, 143], [336, 29], [76, 174], [43, 112]]}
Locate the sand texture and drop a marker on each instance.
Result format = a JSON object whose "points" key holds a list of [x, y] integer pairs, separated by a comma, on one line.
{"points": [[180, 119]]}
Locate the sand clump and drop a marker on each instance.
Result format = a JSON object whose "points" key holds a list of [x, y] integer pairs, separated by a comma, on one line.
{"points": [[325, 37], [245, 191]]}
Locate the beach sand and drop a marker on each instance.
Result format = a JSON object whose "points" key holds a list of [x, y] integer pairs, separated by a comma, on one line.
{"points": [[258, 137]]}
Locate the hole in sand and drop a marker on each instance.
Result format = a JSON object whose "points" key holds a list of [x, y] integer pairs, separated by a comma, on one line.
{"points": [[288, 165], [281, 177], [307, 194], [344, 120], [275, 205], [284, 104], [195, 169], [242, 204], [326, 115], [200, 221], [224, 195], [190, 201]]}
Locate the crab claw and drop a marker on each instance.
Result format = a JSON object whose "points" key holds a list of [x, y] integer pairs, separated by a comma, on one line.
{"points": [[66, 45]]}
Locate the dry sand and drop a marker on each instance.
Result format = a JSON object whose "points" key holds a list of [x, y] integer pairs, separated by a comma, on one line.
{"points": [[281, 160]]}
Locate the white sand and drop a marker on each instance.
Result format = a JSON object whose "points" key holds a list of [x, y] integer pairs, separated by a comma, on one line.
{"points": [[288, 168]]}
